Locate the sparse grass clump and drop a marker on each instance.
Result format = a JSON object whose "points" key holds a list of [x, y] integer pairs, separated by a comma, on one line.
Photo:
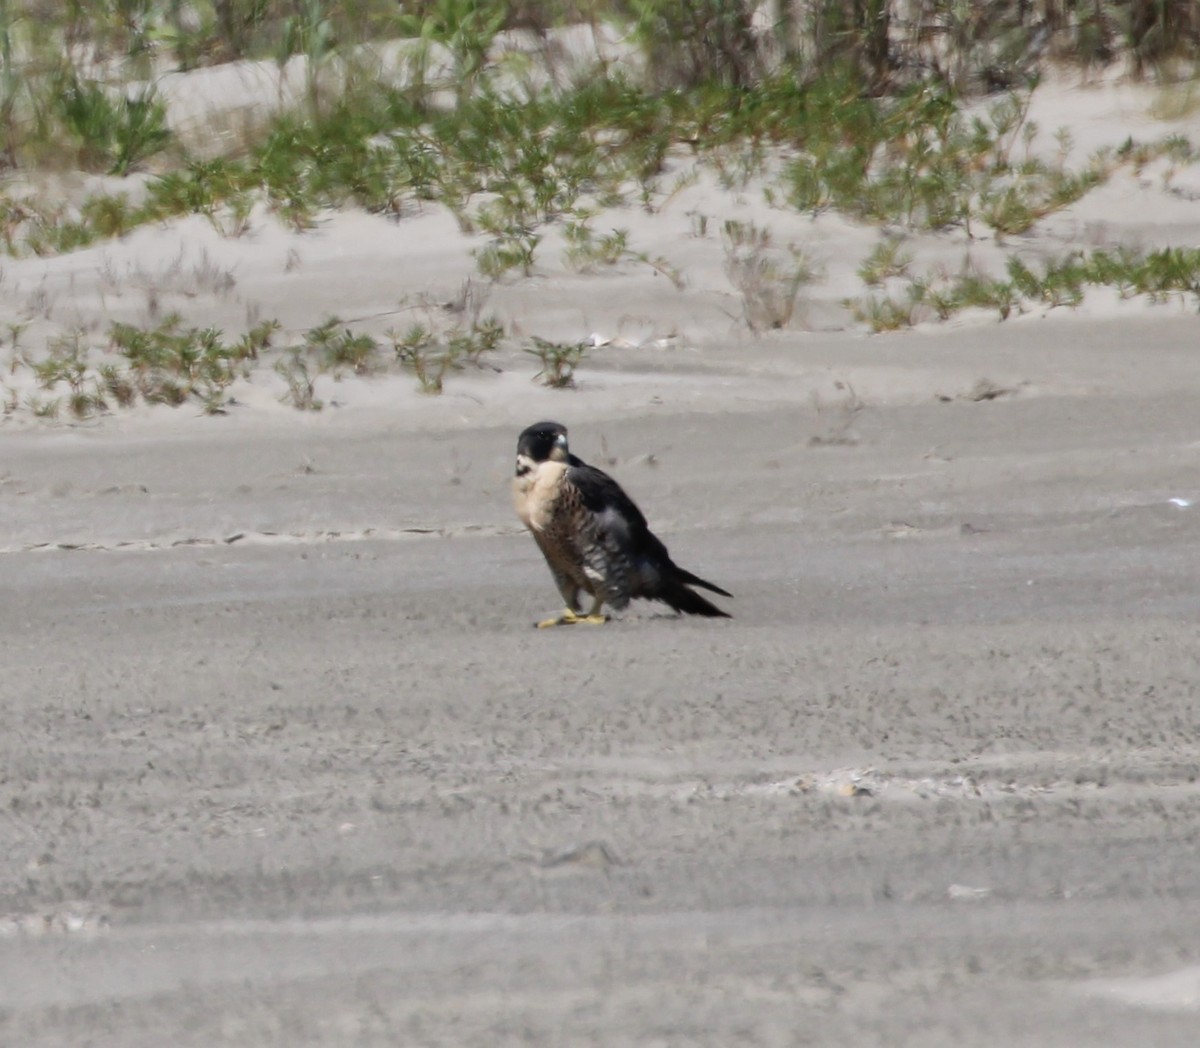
{"points": [[339, 349], [448, 337], [117, 133], [1161, 275], [425, 356], [586, 252], [918, 160], [558, 359], [169, 364], [881, 313], [888, 259], [510, 252], [298, 372], [162, 364], [768, 279], [66, 366]]}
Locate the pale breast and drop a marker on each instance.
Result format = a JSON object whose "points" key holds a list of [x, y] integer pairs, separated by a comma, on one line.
{"points": [[536, 492]]}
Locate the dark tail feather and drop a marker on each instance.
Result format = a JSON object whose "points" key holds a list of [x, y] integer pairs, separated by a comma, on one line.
{"points": [[695, 580], [676, 593]]}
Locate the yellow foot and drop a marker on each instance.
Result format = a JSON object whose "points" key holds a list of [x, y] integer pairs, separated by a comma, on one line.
{"points": [[570, 618]]}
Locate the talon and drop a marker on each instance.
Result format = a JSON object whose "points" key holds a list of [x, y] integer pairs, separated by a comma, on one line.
{"points": [[567, 618]]}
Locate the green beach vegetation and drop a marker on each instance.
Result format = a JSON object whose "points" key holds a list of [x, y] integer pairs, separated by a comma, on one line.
{"points": [[908, 115]]}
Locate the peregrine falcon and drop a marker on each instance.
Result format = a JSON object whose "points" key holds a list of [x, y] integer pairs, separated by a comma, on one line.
{"points": [[594, 538]]}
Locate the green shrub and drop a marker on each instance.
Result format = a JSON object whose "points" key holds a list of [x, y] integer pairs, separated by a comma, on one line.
{"points": [[115, 135]]}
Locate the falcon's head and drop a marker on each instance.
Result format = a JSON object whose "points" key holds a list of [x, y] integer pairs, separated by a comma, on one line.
{"points": [[541, 442]]}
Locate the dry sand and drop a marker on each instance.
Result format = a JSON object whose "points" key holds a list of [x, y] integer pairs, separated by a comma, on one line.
{"points": [[283, 762]]}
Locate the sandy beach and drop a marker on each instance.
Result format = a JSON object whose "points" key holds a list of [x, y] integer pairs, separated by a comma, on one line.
{"points": [[284, 763]]}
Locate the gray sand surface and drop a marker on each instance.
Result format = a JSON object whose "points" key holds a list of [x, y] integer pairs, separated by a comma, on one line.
{"points": [[282, 761]]}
